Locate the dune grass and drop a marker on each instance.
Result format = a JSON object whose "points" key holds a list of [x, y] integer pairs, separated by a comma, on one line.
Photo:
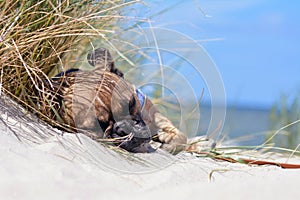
{"points": [[282, 114], [40, 38]]}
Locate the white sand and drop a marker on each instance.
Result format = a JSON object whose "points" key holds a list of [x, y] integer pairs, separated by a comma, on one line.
{"points": [[59, 167]]}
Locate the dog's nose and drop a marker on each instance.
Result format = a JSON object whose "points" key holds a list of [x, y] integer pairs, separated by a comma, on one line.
{"points": [[141, 136], [123, 128], [141, 131]]}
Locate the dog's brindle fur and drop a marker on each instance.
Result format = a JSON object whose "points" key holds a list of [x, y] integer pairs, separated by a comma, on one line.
{"points": [[162, 129], [92, 101]]}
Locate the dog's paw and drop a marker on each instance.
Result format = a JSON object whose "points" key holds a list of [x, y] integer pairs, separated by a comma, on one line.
{"points": [[172, 142], [171, 138]]}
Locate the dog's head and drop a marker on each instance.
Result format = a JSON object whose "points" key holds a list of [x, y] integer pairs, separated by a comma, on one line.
{"points": [[103, 104]]}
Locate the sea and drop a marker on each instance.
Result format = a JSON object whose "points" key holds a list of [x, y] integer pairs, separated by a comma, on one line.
{"points": [[243, 126]]}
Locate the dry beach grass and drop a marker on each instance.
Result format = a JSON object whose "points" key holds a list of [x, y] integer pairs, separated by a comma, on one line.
{"points": [[40, 38]]}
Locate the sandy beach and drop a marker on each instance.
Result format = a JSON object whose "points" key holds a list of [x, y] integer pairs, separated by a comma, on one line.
{"points": [[41, 163]]}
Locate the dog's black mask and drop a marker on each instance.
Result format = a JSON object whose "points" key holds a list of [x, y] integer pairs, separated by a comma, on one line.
{"points": [[139, 136]]}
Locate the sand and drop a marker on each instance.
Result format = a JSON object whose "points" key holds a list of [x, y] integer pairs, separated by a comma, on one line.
{"points": [[46, 164]]}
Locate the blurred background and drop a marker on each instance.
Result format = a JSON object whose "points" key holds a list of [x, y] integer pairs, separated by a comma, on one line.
{"points": [[255, 45]]}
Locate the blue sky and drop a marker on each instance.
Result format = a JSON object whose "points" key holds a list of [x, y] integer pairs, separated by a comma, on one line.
{"points": [[255, 44]]}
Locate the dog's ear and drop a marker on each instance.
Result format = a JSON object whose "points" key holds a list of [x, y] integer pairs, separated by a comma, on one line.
{"points": [[101, 58]]}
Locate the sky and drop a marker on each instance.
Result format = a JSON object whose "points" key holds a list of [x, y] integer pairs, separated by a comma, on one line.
{"points": [[254, 43]]}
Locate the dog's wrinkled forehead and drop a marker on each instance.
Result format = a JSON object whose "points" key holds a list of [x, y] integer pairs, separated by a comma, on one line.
{"points": [[100, 56]]}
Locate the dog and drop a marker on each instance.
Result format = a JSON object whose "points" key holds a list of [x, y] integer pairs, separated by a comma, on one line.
{"points": [[97, 103], [102, 104], [161, 128]]}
